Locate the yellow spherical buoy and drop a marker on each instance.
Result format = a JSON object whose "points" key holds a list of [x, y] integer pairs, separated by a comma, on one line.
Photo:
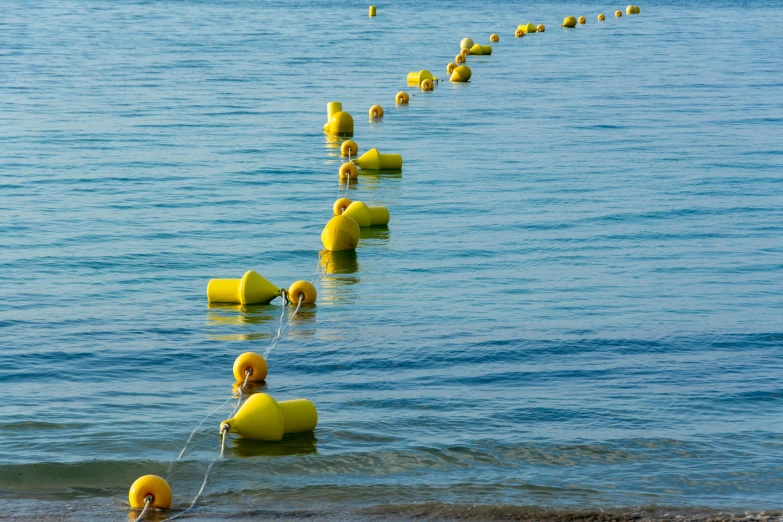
{"points": [[251, 289], [569, 21], [601, 17], [638, 11], [460, 58], [494, 38], [376, 111], [450, 67], [402, 98], [360, 213], [519, 34], [461, 74], [348, 170], [541, 28], [340, 205], [349, 148], [302, 291], [582, 20], [341, 123], [427, 85], [250, 361], [629, 10], [374, 160], [618, 14], [372, 11], [150, 486], [466, 43], [340, 233], [262, 417]]}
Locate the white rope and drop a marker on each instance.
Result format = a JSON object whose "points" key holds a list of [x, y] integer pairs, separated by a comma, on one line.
{"points": [[283, 327], [192, 433], [147, 505]]}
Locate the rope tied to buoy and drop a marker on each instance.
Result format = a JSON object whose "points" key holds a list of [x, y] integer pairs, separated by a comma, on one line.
{"points": [[147, 504], [283, 326]]}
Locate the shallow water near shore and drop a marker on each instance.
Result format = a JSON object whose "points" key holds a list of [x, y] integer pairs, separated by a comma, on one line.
{"points": [[577, 304]]}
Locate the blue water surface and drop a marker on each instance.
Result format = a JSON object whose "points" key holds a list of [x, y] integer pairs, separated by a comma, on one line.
{"points": [[577, 304]]}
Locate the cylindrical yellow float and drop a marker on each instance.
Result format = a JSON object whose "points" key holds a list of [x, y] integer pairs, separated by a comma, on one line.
{"points": [[415, 78], [379, 216], [461, 74], [150, 486], [494, 38], [340, 233], [262, 417], [251, 289], [372, 11], [374, 160], [254, 363], [528, 28], [569, 21], [402, 98]]}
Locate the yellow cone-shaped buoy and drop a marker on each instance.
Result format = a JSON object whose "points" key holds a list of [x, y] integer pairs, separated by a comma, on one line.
{"points": [[461, 74], [304, 291], [372, 11], [152, 486], [254, 363], [360, 213], [477, 49], [379, 216], [569, 21], [466, 43], [402, 98], [262, 417], [340, 233], [374, 160], [340, 205], [415, 78], [528, 28], [376, 111], [582, 20], [251, 289], [601, 17], [494, 38], [541, 28], [341, 124], [349, 148]]}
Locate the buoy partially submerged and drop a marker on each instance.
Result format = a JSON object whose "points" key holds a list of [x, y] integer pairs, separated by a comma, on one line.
{"points": [[461, 74]]}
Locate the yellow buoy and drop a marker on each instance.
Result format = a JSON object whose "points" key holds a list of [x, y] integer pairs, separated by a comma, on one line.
{"points": [[379, 216], [486, 49], [332, 108], [629, 10], [372, 11], [341, 123], [461, 74], [582, 20], [360, 213], [528, 28], [618, 14], [376, 111], [340, 205], [262, 417], [402, 98], [494, 38], [250, 361], [569, 21], [477, 49], [349, 148], [460, 58], [340, 233], [601, 17], [303, 291], [415, 78], [519, 34], [251, 289], [541, 28], [348, 170], [466, 43], [450, 67], [636, 9], [464, 52], [151, 486], [374, 160], [427, 85]]}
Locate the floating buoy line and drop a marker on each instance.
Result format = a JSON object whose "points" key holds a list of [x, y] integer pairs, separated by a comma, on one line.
{"points": [[260, 416]]}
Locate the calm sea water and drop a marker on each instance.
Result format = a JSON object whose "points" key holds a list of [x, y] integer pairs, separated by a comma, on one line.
{"points": [[578, 303]]}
